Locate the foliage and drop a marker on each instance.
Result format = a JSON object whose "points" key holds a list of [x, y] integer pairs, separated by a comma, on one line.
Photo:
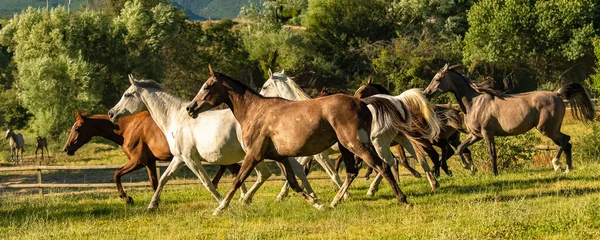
{"points": [[590, 144], [12, 113], [513, 153]]}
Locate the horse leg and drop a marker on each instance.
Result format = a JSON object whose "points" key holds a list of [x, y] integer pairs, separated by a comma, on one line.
{"points": [[152, 176], [36, 150], [197, 168], [382, 147], [292, 167], [327, 165], [461, 148], [286, 186], [173, 167], [562, 140], [351, 173], [433, 155], [404, 161], [422, 160], [130, 166], [218, 176], [447, 152], [262, 174], [491, 146]]}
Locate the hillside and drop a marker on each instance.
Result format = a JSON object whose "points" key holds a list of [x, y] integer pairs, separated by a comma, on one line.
{"points": [[196, 9]]}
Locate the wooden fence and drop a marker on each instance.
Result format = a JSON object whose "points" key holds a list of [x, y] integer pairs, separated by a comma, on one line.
{"points": [[40, 185]]}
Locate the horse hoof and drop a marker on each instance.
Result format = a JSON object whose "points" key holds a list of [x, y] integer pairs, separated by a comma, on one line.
{"points": [[449, 173], [371, 193], [217, 212], [319, 207], [129, 201], [246, 201], [557, 168], [346, 196], [417, 175], [408, 206]]}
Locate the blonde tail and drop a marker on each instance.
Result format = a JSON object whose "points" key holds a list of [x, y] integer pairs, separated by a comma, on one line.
{"points": [[421, 111]]}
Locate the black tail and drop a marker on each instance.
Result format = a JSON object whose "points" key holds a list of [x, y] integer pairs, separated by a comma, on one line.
{"points": [[581, 104]]}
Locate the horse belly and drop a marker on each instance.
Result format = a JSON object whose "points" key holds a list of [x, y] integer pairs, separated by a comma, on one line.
{"points": [[304, 141]]}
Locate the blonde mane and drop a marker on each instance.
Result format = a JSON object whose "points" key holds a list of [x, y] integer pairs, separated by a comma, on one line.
{"points": [[300, 94]]}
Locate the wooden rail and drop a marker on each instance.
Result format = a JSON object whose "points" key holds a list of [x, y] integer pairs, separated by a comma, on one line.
{"points": [[40, 185]]}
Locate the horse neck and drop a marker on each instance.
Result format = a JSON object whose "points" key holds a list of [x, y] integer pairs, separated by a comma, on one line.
{"points": [[164, 108], [106, 129], [241, 102], [464, 93]]}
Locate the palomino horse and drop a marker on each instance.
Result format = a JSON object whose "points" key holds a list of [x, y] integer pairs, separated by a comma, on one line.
{"points": [[451, 125], [16, 144], [489, 113], [277, 128], [213, 137], [142, 142], [40, 144]]}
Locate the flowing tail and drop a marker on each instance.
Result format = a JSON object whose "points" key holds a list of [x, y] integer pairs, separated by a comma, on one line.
{"points": [[581, 104], [395, 114]]}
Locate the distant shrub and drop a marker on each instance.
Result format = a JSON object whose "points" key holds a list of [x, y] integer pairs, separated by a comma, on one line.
{"points": [[513, 152], [589, 145]]}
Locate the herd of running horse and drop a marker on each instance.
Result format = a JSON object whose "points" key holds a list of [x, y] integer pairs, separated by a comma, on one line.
{"points": [[284, 124]]}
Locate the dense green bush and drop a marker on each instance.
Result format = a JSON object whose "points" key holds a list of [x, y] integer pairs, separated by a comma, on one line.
{"points": [[513, 152]]}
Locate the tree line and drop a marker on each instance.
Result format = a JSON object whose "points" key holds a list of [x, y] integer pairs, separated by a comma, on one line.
{"points": [[53, 61]]}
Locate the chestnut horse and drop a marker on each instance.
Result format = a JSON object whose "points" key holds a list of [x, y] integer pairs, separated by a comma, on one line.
{"points": [[41, 143], [277, 128], [142, 142]]}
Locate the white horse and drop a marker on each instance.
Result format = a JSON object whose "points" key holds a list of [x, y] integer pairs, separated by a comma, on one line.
{"points": [[214, 137], [280, 85], [283, 86], [16, 144]]}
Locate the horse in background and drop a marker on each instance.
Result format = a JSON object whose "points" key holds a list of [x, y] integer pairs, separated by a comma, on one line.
{"points": [[142, 141], [489, 113], [16, 142], [40, 144]]}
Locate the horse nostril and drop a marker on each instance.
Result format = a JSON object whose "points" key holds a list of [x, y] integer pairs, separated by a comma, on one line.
{"points": [[110, 115], [188, 108], [65, 150]]}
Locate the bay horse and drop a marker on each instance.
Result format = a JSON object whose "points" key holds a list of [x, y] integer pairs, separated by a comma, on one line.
{"points": [[142, 141], [40, 144], [277, 128], [213, 137], [489, 113], [16, 142]]}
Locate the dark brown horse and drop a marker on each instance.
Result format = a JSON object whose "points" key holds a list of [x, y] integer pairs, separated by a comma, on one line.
{"points": [[40, 144], [276, 128], [489, 113], [142, 142]]}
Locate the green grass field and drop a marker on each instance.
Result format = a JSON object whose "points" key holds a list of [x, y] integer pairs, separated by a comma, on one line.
{"points": [[533, 202]]}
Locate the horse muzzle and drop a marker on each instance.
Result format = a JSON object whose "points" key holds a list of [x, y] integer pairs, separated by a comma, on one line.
{"points": [[69, 151]]}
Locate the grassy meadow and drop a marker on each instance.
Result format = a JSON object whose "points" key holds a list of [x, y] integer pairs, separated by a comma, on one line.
{"points": [[531, 202]]}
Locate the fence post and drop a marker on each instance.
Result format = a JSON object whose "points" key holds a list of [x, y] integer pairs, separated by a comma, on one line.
{"points": [[157, 172], [39, 178]]}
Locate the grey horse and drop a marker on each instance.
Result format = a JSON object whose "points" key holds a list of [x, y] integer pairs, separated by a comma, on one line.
{"points": [[489, 113], [16, 144]]}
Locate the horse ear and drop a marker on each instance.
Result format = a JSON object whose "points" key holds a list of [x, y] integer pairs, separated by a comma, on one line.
{"points": [[77, 115], [282, 71], [212, 74], [369, 80], [131, 79], [445, 68], [270, 73]]}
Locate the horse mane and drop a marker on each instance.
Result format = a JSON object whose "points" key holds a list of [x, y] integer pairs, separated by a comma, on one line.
{"points": [[235, 81], [148, 83], [299, 92], [478, 88], [380, 88]]}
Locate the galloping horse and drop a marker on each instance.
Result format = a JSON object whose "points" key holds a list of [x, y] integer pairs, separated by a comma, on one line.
{"points": [[277, 128], [142, 141], [16, 144], [451, 125], [489, 113], [213, 137], [40, 144]]}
